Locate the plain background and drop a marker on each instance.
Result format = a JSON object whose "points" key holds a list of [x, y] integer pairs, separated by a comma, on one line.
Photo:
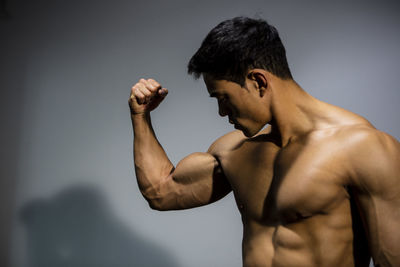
{"points": [[68, 194]]}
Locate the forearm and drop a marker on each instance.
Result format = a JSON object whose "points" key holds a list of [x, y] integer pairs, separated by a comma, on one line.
{"points": [[151, 162], [195, 181]]}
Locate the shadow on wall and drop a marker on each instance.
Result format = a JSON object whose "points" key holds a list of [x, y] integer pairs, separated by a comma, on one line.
{"points": [[77, 228]]}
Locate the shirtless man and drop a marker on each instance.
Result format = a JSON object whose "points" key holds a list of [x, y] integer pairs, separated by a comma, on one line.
{"points": [[320, 186]]}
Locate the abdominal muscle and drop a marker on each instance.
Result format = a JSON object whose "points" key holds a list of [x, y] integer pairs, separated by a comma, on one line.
{"points": [[266, 246], [298, 244]]}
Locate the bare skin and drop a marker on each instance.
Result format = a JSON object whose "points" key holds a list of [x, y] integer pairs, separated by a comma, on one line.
{"points": [[319, 187]]}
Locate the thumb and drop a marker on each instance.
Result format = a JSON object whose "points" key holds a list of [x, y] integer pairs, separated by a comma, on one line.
{"points": [[158, 98], [163, 92]]}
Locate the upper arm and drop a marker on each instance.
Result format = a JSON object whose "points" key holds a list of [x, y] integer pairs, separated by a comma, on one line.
{"points": [[375, 160], [197, 180], [375, 177]]}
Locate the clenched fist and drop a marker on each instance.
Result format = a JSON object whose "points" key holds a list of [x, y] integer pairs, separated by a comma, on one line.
{"points": [[146, 95]]}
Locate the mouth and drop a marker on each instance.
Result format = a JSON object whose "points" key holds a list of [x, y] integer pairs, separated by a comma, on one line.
{"points": [[237, 126]]}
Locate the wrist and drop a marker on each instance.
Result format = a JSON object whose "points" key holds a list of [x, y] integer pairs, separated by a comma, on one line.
{"points": [[140, 115]]}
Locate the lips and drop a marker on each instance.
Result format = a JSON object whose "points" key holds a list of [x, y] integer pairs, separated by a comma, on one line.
{"points": [[235, 125]]}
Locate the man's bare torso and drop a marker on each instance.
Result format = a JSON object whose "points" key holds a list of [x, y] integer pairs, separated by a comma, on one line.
{"points": [[295, 206], [306, 188]]}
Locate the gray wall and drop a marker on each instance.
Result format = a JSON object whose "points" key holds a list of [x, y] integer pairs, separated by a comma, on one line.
{"points": [[68, 193]]}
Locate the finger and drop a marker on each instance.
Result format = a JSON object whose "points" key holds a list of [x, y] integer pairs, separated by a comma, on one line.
{"points": [[155, 84], [146, 92], [133, 89], [163, 92], [143, 88], [144, 82], [140, 97], [138, 85], [148, 85], [147, 89]]}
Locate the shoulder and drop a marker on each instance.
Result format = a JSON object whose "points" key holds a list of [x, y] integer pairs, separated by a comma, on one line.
{"points": [[365, 156], [227, 142], [357, 138], [373, 158], [369, 142], [236, 140]]}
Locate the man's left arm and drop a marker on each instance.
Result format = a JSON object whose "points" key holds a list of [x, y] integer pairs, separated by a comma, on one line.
{"points": [[375, 181]]}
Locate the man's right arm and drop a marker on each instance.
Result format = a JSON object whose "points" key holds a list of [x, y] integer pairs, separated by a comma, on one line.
{"points": [[197, 179]]}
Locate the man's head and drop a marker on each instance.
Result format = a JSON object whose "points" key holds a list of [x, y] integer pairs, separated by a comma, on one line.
{"points": [[238, 60], [237, 45], [248, 107]]}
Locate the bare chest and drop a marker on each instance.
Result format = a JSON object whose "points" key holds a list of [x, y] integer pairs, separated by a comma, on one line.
{"points": [[273, 185]]}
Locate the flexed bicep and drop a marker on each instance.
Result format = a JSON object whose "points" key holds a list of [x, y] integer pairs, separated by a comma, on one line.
{"points": [[197, 180]]}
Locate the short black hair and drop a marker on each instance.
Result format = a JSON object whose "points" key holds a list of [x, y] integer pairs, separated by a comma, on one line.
{"points": [[235, 46]]}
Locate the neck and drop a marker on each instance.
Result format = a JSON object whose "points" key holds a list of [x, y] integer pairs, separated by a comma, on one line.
{"points": [[294, 111]]}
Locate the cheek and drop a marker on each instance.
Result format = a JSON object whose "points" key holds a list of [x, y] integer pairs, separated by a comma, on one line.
{"points": [[232, 109]]}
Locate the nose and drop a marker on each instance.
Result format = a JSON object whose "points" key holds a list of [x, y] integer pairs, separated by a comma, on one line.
{"points": [[222, 109]]}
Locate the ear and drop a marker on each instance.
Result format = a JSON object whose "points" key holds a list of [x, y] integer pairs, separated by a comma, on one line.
{"points": [[260, 79]]}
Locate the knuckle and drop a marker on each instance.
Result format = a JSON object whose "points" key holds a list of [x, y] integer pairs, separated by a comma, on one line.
{"points": [[154, 82], [151, 88], [138, 93]]}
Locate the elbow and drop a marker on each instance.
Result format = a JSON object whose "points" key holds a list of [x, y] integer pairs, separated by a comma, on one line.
{"points": [[156, 203], [158, 199]]}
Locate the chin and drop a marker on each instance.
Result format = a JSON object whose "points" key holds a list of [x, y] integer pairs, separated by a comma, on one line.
{"points": [[250, 132], [247, 133]]}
